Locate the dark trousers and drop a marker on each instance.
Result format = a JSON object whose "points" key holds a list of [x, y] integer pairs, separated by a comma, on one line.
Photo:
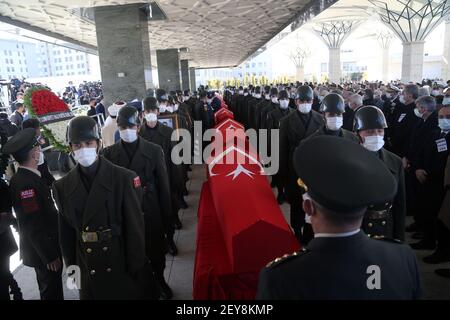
{"points": [[50, 283], [4, 278], [443, 237], [431, 195]]}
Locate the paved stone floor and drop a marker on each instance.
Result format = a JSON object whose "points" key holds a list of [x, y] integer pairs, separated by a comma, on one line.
{"points": [[179, 269]]}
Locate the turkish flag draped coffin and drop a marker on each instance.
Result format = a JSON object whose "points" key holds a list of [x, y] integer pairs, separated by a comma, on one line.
{"points": [[249, 228]]}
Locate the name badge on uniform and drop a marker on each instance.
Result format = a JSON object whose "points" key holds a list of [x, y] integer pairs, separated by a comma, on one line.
{"points": [[402, 116], [441, 145]]}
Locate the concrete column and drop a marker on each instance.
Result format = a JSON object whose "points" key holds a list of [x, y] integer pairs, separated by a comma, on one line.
{"points": [[385, 65], [412, 63], [334, 65], [184, 65], [124, 52], [192, 83], [300, 74], [446, 57], [168, 62]]}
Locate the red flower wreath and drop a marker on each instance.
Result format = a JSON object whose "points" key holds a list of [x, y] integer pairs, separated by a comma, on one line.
{"points": [[44, 101]]}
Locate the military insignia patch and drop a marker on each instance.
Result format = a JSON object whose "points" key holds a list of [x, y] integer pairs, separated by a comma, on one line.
{"points": [[27, 194], [137, 182], [28, 201]]}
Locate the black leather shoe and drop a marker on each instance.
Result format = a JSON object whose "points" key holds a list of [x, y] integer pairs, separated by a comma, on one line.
{"points": [[166, 292], [411, 228], [437, 257], [173, 250], [422, 245], [281, 198], [443, 272], [417, 235]]}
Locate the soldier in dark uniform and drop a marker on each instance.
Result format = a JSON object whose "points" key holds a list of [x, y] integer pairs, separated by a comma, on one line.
{"points": [[269, 107], [273, 123], [160, 134], [341, 262], [36, 215], [382, 220], [101, 224], [146, 159], [333, 108], [252, 103], [43, 167], [265, 101], [293, 129]]}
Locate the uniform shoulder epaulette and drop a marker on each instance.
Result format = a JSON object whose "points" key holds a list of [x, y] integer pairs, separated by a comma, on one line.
{"points": [[286, 257], [391, 240]]}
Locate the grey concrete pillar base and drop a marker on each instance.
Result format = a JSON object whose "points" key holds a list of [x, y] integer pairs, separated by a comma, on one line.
{"points": [[168, 69], [412, 62], [124, 52]]}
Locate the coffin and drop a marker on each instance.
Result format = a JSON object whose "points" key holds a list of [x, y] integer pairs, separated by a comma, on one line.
{"points": [[253, 227]]}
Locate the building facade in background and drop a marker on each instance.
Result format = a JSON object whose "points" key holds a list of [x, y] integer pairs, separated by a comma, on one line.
{"points": [[41, 59]]}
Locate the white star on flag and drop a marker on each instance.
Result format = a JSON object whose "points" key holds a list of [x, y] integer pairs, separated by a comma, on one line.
{"points": [[240, 169]]}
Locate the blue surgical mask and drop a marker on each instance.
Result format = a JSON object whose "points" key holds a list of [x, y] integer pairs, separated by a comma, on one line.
{"points": [[444, 124]]}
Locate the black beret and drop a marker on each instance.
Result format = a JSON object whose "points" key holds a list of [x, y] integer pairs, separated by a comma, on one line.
{"points": [[341, 175], [22, 142]]}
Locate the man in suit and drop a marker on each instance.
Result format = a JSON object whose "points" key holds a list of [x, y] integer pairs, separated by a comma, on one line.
{"points": [[430, 172], [404, 120], [341, 262], [17, 116], [101, 224], [36, 215], [355, 102], [293, 129], [146, 159]]}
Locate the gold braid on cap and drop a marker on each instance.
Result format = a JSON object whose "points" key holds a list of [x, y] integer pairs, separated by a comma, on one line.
{"points": [[302, 184]]}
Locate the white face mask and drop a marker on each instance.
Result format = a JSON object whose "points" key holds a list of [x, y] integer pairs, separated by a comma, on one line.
{"points": [[175, 107], [444, 124], [185, 98], [151, 117], [446, 101], [258, 96], [417, 113], [335, 123], [169, 109], [241, 92], [128, 135], [274, 100], [402, 99], [305, 107], [435, 93], [85, 156], [162, 108], [209, 101], [373, 143], [284, 104], [320, 98], [245, 94], [267, 97], [388, 96]]}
